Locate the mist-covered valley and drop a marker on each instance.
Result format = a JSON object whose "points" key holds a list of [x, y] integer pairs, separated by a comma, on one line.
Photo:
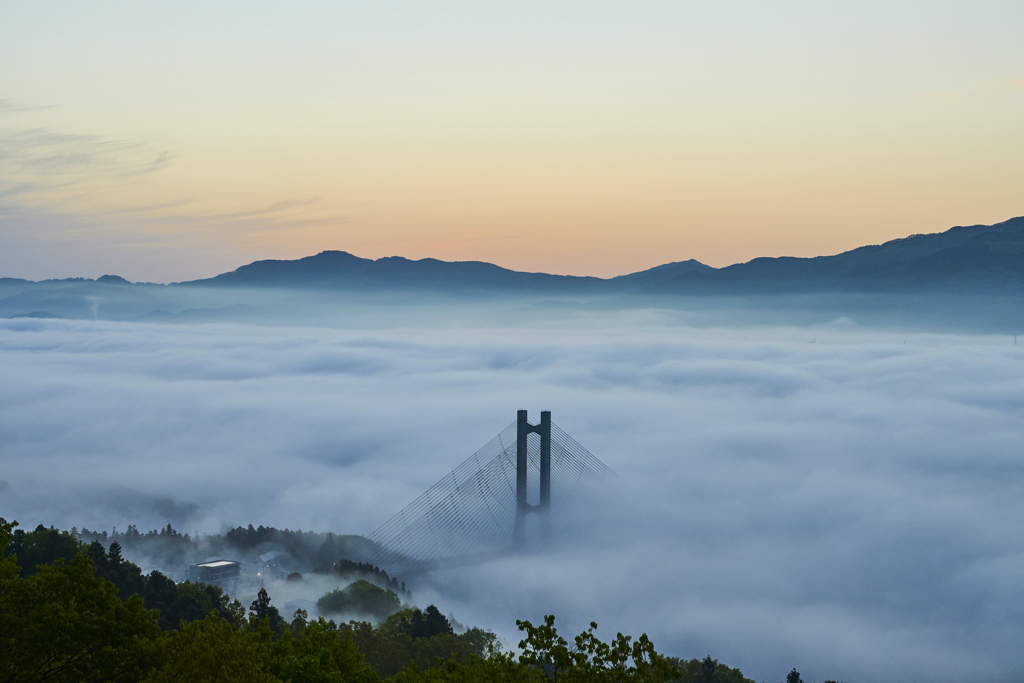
{"points": [[799, 489], [965, 279], [526, 342]]}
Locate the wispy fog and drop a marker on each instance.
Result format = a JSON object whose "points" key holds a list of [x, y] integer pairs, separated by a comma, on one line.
{"points": [[834, 498]]}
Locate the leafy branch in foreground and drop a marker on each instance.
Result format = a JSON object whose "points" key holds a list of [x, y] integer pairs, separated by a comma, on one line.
{"points": [[590, 659]]}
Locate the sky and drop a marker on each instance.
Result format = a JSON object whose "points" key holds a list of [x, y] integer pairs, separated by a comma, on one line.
{"points": [[169, 141], [849, 507]]}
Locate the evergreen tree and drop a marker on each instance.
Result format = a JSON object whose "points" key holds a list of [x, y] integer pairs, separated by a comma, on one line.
{"points": [[707, 669], [261, 610]]}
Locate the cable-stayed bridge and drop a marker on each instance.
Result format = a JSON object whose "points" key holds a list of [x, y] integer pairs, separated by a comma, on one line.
{"points": [[485, 506]]}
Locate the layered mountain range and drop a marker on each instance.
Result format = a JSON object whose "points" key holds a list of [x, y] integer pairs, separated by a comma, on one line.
{"points": [[341, 270], [975, 261], [962, 258]]}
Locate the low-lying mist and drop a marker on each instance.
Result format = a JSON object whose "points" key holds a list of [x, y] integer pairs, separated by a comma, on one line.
{"points": [[922, 310], [832, 497]]}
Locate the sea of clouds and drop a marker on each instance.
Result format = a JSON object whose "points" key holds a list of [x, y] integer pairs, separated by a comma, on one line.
{"points": [[842, 500]]}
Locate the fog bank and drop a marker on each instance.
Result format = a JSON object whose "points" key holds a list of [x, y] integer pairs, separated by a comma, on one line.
{"points": [[834, 498]]}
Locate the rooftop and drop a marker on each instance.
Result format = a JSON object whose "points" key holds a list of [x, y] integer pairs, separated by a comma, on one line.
{"points": [[217, 563]]}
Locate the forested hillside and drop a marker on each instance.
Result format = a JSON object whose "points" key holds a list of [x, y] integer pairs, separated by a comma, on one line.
{"points": [[170, 549], [75, 612]]}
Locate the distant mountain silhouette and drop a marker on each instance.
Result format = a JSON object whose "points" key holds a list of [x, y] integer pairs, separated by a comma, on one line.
{"points": [[653, 276], [341, 270], [112, 280], [965, 258]]}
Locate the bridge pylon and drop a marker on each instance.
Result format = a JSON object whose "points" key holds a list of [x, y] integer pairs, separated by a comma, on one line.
{"points": [[479, 510], [523, 508]]}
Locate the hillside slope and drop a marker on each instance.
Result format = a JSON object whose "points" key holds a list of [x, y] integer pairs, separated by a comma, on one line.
{"points": [[966, 258]]}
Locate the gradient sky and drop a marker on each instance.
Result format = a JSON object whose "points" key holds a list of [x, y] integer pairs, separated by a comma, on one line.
{"points": [[168, 141]]}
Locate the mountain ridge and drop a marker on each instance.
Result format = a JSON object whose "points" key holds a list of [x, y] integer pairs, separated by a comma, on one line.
{"points": [[963, 257], [966, 258], [340, 269], [975, 257]]}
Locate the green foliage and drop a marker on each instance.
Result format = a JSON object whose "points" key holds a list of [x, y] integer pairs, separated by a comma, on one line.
{"points": [[42, 546], [62, 623], [480, 642], [209, 651], [188, 601], [501, 667], [114, 568], [418, 624], [362, 570], [321, 655], [167, 547], [173, 548], [707, 670], [93, 616], [392, 648], [590, 659], [361, 597], [261, 611], [546, 656], [308, 548]]}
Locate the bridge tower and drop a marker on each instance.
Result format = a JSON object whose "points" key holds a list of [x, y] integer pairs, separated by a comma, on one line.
{"points": [[523, 430], [476, 511]]}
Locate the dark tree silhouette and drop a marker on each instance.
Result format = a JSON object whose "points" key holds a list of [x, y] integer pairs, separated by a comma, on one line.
{"points": [[794, 677], [115, 553], [707, 669], [429, 623], [262, 609]]}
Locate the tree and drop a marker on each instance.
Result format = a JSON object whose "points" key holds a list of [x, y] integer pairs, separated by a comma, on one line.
{"points": [[707, 669], [187, 601], [435, 623], [793, 677], [63, 623], [262, 611], [418, 624], [209, 651], [125, 575], [361, 597], [299, 622], [42, 546], [480, 642], [321, 656], [590, 659]]}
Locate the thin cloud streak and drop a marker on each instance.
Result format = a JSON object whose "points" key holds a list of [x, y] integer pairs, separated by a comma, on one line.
{"points": [[66, 192], [12, 107]]}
